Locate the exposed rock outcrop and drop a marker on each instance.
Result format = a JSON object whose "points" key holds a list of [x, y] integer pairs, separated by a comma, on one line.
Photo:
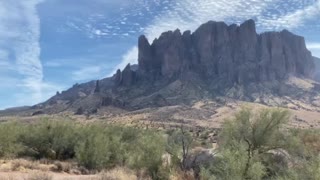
{"points": [[127, 77], [97, 88], [235, 54]]}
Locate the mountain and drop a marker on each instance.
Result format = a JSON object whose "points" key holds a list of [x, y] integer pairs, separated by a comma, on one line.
{"points": [[216, 61], [317, 67]]}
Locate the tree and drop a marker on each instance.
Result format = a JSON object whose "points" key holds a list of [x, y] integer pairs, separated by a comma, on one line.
{"points": [[248, 142], [179, 144]]}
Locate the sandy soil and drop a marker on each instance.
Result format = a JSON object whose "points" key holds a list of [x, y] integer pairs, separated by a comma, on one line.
{"points": [[55, 176]]}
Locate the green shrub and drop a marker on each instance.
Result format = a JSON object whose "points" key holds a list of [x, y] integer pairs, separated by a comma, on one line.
{"points": [[262, 131], [308, 140], [9, 146], [303, 169], [106, 147], [103, 147], [51, 139], [232, 164], [93, 152], [95, 146], [146, 152]]}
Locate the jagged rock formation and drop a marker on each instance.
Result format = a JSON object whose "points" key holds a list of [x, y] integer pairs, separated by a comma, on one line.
{"points": [[97, 88], [178, 68], [216, 51]]}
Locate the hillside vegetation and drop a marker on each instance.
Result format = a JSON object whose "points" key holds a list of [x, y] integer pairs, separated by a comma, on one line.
{"points": [[252, 145]]}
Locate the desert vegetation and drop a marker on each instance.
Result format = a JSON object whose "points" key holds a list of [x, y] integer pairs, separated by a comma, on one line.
{"points": [[251, 145]]}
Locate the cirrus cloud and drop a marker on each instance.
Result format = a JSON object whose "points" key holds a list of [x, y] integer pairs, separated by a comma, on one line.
{"points": [[20, 51]]}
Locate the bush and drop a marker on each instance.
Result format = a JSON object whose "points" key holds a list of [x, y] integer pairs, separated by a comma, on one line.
{"points": [[51, 139], [146, 152], [309, 141], [231, 164], [304, 169], [107, 147], [9, 146], [94, 151], [95, 146]]}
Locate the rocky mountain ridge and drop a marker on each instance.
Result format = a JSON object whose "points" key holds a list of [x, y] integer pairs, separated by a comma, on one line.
{"points": [[235, 54], [216, 61]]}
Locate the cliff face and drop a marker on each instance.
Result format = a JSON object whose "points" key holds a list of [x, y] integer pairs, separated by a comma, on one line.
{"points": [[317, 67], [216, 51]]}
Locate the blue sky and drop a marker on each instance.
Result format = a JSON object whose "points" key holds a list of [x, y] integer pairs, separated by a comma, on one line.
{"points": [[49, 45]]}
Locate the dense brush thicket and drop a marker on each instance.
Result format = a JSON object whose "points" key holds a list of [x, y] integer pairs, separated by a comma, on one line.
{"points": [[96, 146], [250, 146]]}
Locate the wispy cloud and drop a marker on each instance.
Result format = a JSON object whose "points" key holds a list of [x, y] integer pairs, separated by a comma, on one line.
{"points": [[314, 45], [315, 48], [90, 67], [47, 90], [4, 59], [87, 73], [129, 57], [20, 48], [293, 19], [130, 19], [26, 47], [52, 64]]}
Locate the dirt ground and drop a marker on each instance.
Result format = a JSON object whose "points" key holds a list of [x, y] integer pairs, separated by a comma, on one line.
{"points": [[25, 169], [41, 176]]}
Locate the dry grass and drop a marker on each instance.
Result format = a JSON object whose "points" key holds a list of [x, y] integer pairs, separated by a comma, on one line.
{"points": [[118, 174], [23, 164], [311, 140], [181, 175], [40, 176], [5, 166], [66, 167]]}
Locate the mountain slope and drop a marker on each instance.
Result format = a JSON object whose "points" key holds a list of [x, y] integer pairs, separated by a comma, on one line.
{"points": [[217, 60], [317, 65]]}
